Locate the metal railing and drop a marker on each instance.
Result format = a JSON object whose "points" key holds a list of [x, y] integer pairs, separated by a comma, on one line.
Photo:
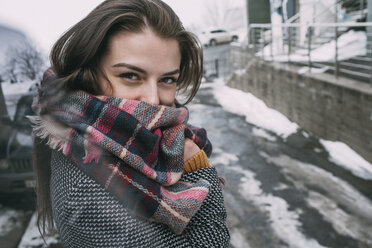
{"points": [[321, 47], [342, 11]]}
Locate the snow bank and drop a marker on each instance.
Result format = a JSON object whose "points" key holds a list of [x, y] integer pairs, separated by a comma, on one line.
{"points": [[257, 113], [350, 44], [342, 155], [254, 110]]}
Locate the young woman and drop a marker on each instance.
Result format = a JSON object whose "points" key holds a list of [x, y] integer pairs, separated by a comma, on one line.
{"points": [[117, 163]]}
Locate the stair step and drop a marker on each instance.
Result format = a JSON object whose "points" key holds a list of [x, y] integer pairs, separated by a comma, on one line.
{"points": [[347, 69], [356, 66], [361, 60]]}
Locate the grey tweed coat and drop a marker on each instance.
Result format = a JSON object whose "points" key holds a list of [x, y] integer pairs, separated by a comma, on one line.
{"points": [[87, 216]]}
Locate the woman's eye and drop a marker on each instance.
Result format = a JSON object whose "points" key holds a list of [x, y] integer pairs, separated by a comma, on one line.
{"points": [[130, 76], [169, 80]]}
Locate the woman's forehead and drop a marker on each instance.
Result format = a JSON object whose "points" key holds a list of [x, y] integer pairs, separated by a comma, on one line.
{"points": [[144, 50]]}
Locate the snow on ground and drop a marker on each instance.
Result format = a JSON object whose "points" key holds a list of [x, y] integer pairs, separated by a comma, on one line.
{"points": [[16, 88], [257, 113], [254, 110], [12, 93], [237, 239], [263, 134], [32, 238], [285, 223], [350, 44], [9, 219], [223, 157], [343, 155], [351, 219]]}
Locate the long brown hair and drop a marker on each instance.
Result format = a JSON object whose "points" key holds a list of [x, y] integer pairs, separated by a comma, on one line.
{"points": [[75, 59]]}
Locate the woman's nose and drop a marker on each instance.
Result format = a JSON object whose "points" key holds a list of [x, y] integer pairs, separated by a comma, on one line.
{"points": [[150, 92]]}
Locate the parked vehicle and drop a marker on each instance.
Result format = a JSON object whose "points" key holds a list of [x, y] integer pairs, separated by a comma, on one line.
{"points": [[213, 37], [16, 171]]}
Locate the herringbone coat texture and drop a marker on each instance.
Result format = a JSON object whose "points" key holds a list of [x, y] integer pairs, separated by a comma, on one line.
{"points": [[86, 215]]}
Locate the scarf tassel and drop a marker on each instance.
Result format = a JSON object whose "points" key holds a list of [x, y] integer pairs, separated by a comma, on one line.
{"points": [[47, 129]]}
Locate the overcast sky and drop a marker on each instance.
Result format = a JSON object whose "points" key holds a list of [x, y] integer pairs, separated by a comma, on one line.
{"points": [[45, 20]]}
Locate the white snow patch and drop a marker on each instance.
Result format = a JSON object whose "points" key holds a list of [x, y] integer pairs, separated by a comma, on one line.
{"points": [[344, 156], [222, 157], [32, 237], [284, 222], [16, 88], [196, 107], [238, 240], [205, 84], [9, 219], [254, 110], [281, 186], [317, 150], [342, 222], [262, 133], [358, 218], [305, 134], [305, 69], [350, 44], [257, 113], [240, 72]]}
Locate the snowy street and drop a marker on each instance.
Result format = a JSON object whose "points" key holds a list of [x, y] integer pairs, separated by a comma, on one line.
{"points": [[282, 190], [284, 187]]}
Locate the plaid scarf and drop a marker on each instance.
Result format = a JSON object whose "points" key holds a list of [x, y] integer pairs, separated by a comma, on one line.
{"points": [[133, 149]]}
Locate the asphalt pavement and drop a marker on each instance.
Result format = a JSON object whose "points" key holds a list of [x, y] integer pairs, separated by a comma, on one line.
{"points": [[282, 192]]}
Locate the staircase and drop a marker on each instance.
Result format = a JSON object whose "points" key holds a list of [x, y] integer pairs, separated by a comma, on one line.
{"points": [[358, 68]]}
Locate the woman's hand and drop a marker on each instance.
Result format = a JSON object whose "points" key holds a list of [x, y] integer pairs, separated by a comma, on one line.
{"points": [[190, 149]]}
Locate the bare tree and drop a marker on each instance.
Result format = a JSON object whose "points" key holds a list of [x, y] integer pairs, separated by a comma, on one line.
{"points": [[30, 62], [229, 14], [10, 70], [23, 62], [215, 12]]}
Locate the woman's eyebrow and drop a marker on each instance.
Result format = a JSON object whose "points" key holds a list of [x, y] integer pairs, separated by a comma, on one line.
{"points": [[172, 72], [132, 67], [135, 68]]}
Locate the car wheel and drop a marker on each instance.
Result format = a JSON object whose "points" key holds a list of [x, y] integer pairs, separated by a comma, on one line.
{"points": [[235, 38], [213, 42]]}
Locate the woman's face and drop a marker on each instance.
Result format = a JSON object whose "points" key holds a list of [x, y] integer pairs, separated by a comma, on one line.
{"points": [[141, 66]]}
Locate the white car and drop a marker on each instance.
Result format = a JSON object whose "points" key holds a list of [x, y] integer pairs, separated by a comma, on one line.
{"points": [[216, 36]]}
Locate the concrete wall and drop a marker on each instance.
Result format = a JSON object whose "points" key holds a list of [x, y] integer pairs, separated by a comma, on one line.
{"points": [[331, 109]]}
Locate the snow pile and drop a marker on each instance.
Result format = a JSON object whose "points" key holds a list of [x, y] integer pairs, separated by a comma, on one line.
{"points": [[350, 44], [32, 237], [254, 110], [347, 158], [257, 113]]}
